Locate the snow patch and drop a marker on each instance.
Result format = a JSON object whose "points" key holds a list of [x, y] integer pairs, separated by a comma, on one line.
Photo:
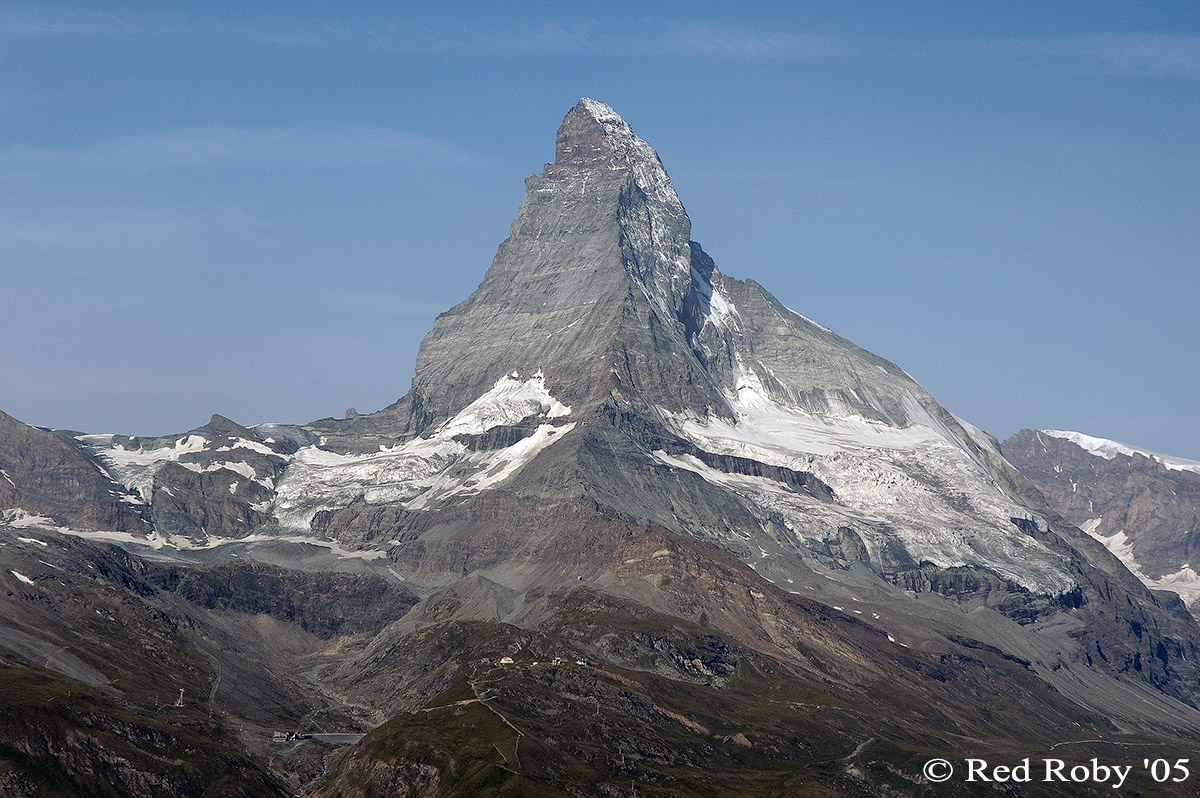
{"points": [[254, 446], [1185, 582], [135, 468], [22, 577], [243, 469], [509, 401], [978, 436], [334, 546], [425, 469], [771, 432], [20, 519], [721, 312], [497, 468], [807, 320]]}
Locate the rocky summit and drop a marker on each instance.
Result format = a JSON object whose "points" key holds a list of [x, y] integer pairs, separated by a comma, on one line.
{"points": [[635, 528]]}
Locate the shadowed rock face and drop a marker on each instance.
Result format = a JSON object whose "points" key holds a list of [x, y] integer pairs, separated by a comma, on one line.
{"points": [[583, 141]]}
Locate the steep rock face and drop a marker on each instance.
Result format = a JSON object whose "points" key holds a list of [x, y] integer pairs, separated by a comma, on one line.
{"points": [[324, 604], [43, 474], [1144, 507]]}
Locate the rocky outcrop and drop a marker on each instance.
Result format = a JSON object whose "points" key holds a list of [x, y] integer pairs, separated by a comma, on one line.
{"points": [[324, 604]]}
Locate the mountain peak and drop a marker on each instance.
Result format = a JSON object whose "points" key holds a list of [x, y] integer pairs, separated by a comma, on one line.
{"points": [[583, 138], [593, 135]]}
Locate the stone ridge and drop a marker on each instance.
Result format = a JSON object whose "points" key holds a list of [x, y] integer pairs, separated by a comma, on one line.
{"points": [[594, 141]]}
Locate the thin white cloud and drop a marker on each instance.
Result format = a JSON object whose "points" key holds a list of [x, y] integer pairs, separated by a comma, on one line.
{"points": [[31, 22], [63, 238], [548, 37], [75, 23], [1153, 54], [1131, 53], [1146, 54], [733, 41], [646, 37], [317, 146], [545, 37]]}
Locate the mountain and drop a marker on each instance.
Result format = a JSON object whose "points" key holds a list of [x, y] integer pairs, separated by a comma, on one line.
{"points": [[635, 527], [1144, 506], [46, 474]]}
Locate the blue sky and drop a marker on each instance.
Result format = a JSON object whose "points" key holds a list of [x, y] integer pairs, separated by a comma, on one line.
{"points": [[257, 210]]}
